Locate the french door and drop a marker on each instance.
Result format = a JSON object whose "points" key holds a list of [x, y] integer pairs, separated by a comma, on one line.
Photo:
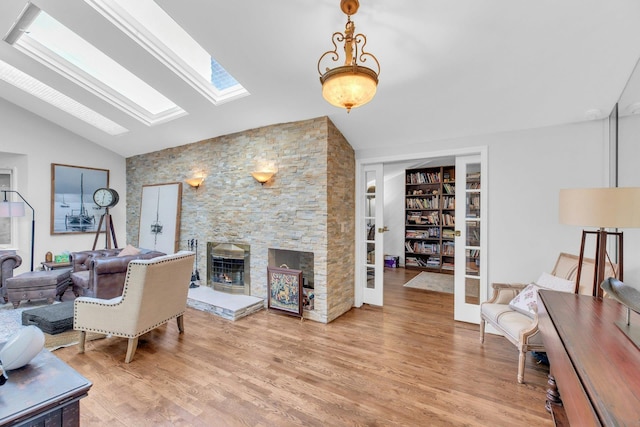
{"points": [[371, 253], [470, 287]]}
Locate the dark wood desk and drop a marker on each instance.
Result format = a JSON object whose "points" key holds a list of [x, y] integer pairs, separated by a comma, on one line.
{"points": [[45, 392], [595, 366]]}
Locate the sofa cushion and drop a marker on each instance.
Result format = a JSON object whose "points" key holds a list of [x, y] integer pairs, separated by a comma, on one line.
{"points": [[129, 250], [549, 281], [526, 302], [510, 322]]}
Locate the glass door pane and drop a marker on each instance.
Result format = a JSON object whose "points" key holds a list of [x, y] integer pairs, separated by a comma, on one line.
{"points": [[470, 277], [373, 262], [472, 240]]}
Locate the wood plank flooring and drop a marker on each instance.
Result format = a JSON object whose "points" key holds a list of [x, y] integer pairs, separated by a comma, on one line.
{"points": [[407, 364]]}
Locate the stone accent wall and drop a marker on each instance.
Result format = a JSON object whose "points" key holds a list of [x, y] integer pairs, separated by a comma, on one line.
{"points": [[294, 210], [340, 223]]}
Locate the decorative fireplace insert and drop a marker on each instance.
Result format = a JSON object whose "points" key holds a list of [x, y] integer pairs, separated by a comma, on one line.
{"points": [[228, 267]]}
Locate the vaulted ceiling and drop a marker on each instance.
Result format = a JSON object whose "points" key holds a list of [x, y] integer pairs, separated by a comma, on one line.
{"points": [[448, 68]]}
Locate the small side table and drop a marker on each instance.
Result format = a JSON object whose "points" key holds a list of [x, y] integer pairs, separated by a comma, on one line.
{"points": [[45, 392], [55, 265]]}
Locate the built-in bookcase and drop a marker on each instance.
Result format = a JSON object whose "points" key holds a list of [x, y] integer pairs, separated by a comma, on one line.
{"points": [[430, 218]]}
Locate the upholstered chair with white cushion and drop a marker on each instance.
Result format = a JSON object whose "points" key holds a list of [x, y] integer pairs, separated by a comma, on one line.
{"points": [[155, 291], [513, 310]]}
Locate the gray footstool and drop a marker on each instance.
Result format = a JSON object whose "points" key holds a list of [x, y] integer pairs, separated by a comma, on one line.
{"points": [[36, 285], [51, 319]]}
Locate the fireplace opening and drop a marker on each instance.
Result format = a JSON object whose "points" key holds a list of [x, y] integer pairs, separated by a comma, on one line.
{"points": [[297, 260], [228, 267]]}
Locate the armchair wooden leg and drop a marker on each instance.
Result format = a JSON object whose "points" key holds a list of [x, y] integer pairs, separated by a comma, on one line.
{"points": [[180, 320], [482, 323], [83, 337], [521, 359], [131, 349]]}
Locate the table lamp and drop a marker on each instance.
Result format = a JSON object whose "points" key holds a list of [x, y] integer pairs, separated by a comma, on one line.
{"points": [[602, 208]]}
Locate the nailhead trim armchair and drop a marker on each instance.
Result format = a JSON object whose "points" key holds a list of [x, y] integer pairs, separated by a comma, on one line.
{"points": [[155, 291]]}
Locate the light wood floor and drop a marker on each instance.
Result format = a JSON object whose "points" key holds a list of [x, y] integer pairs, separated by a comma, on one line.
{"points": [[405, 364]]}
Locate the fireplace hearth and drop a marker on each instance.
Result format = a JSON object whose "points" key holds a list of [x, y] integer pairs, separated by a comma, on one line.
{"points": [[228, 267]]}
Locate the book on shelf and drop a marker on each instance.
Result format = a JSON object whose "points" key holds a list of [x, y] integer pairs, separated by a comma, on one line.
{"points": [[448, 248], [448, 233], [448, 219], [448, 266], [419, 219], [429, 233], [425, 248], [423, 178], [473, 186], [473, 253], [433, 262], [448, 202], [423, 202]]}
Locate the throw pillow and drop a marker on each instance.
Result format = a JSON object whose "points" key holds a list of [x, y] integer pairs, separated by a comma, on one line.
{"points": [[129, 250], [526, 302], [555, 283]]}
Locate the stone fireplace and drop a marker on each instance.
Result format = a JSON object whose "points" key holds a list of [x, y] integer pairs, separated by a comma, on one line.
{"points": [[228, 267], [308, 206]]}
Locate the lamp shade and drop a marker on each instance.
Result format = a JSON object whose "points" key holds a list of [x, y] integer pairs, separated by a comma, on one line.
{"points": [[349, 86], [262, 176], [616, 207], [11, 209]]}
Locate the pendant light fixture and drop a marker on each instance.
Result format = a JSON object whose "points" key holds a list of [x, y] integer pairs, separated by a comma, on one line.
{"points": [[349, 85]]}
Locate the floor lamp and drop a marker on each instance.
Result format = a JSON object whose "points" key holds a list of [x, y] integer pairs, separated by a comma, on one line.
{"points": [[601, 208], [14, 209]]}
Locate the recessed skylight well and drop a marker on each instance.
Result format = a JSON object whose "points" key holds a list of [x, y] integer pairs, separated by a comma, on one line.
{"points": [[27, 83], [154, 30], [40, 36]]}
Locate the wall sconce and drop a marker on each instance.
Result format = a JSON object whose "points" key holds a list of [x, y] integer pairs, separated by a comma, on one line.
{"points": [[195, 182], [262, 176]]}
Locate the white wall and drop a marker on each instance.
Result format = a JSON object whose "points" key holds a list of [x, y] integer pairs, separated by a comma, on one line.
{"points": [[394, 211], [526, 171], [31, 144]]}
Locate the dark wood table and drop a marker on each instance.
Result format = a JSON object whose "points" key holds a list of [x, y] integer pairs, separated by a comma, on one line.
{"points": [[595, 367], [45, 392]]}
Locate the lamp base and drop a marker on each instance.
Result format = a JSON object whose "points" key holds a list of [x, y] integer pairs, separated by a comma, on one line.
{"points": [[631, 331]]}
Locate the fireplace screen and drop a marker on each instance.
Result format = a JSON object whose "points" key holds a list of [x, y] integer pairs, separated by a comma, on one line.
{"points": [[229, 267]]}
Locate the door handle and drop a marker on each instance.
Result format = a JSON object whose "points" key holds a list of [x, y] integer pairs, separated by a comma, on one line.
{"points": [[458, 233], [383, 229]]}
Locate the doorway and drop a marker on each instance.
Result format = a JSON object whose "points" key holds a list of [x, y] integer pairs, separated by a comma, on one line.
{"points": [[390, 240]]}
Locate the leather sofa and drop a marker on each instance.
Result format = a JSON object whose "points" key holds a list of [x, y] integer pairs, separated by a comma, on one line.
{"points": [[8, 262], [101, 273]]}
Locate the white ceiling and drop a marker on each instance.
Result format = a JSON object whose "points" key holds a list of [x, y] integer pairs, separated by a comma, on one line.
{"points": [[448, 68]]}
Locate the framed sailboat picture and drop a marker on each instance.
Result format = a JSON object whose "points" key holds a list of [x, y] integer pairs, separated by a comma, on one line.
{"points": [[72, 207], [160, 217]]}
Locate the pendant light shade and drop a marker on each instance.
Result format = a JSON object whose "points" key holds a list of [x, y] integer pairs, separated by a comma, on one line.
{"points": [[349, 85]]}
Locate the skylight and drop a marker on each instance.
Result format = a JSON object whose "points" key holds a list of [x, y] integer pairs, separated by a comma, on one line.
{"points": [[46, 93], [154, 30], [43, 38]]}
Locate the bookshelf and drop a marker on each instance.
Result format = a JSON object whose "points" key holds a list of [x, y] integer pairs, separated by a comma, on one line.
{"points": [[430, 219]]}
